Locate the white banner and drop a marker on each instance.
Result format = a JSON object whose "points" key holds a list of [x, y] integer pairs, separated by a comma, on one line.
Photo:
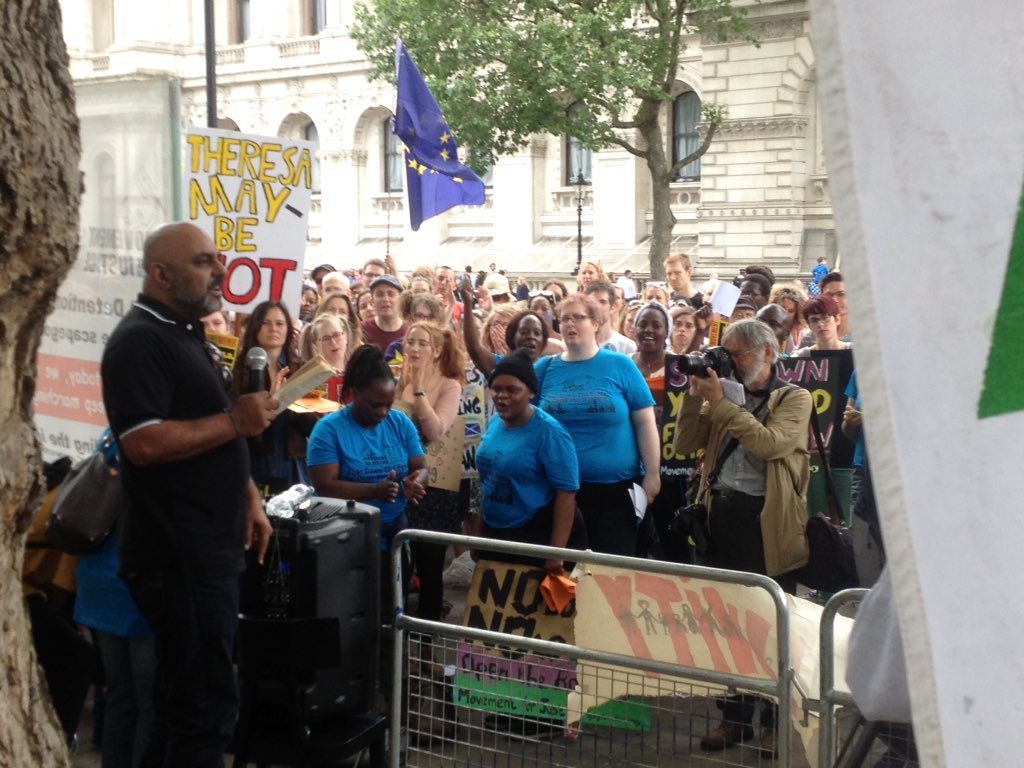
{"points": [[251, 194], [924, 141]]}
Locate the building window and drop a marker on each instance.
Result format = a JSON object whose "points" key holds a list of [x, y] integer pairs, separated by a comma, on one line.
{"points": [[685, 138], [319, 15], [578, 158], [394, 160], [242, 22], [312, 135]]}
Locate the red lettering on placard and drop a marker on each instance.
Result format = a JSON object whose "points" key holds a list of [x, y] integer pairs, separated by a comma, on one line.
{"points": [[254, 287], [707, 631], [728, 620], [618, 592], [758, 628], [279, 269], [665, 592]]}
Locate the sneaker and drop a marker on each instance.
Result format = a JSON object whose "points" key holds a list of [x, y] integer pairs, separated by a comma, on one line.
{"points": [[769, 746], [725, 735]]}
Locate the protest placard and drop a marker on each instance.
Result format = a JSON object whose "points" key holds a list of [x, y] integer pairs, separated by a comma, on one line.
{"points": [[444, 458], [228, 346], [825, 375], [475, 409], [676, 384], [715, 331], [251, 194]]}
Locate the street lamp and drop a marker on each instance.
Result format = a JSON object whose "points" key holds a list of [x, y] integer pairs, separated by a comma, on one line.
{"points": [[580, 184]]}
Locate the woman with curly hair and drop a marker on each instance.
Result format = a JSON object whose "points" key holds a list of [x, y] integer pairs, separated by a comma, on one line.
{"points": [[590, 271], [791, 297]]}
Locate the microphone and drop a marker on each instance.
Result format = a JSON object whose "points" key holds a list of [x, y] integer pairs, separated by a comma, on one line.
{"points": [[256, 361]]}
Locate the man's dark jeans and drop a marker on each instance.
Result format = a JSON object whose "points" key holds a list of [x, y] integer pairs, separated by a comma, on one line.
{"points": [[196, 693]]}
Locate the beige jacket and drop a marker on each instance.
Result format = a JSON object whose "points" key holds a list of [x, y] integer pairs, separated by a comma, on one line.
{"points": [[781, 442]]}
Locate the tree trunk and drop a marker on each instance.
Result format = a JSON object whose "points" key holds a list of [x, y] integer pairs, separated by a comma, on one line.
{"points": [[660, 167], [39, 191]]}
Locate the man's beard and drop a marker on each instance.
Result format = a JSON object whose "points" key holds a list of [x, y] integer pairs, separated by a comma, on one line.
{"points": [[193, 307], [752, 378]]}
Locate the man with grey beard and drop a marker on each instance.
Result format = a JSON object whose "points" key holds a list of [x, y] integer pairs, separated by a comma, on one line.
{"points": [[754, 484]]}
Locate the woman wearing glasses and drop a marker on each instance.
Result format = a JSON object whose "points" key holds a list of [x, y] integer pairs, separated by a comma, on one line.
{"points": [[329, 336], [601, 398], [822, 315]]}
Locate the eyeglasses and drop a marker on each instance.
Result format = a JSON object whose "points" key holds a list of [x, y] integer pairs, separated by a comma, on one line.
{"points": [[574, 319], [334, 338], [220, 367], [818, 319], [422, 317]]}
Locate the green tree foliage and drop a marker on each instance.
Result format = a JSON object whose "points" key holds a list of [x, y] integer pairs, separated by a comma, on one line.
{"points": [[505, 69]]}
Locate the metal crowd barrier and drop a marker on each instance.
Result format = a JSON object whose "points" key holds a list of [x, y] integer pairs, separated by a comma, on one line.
{"points": [[661, 726], [832, 699]]}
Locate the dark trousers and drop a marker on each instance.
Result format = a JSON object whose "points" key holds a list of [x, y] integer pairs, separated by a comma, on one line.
{"points": [[195, 698], [609, 516], [428, 559], [737, 545], [130, 667]]}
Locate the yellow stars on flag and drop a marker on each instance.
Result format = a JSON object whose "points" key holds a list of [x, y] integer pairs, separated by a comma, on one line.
{"points": [[417, 166], [445, 154], [445, 137]]}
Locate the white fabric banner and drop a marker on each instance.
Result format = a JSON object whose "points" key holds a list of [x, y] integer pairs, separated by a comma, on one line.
{"points": [[924, 138]]}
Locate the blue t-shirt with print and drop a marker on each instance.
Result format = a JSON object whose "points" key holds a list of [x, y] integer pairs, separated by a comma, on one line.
{"points": [[594, 400], [522, 467], [860, 448], [366, 455]]}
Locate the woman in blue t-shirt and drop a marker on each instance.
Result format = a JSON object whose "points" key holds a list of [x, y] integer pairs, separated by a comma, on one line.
{"points": [[527, 464], [367, 451], [602, 400]]}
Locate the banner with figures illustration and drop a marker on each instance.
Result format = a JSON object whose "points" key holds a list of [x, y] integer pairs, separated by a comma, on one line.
{"points": [[698, 625], [251, 194], [925, 158]]}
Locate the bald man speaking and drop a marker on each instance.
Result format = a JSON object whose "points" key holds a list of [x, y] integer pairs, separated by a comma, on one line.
{"points": [[191, 504]]}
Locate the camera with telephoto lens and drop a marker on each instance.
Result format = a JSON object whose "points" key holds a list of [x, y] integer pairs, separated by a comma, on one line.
{"points": [[713, 359]]}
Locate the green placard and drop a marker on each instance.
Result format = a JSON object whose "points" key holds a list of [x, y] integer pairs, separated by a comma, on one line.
{"points": [[1002, 391]]}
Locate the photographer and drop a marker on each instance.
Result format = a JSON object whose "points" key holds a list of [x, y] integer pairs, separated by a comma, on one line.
{"points": [[754, 480]]}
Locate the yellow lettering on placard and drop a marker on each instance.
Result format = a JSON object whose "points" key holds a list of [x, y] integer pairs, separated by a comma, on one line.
{"points": [[289, 161], [822, 400], [228, 154], [223, 233], [197, 144], [243, 235], [274, 202], [250, 150], [196, 199], [266, 164], [246, 196], [676, 399]]}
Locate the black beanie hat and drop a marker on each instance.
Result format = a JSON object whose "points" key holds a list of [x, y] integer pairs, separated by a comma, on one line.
{"points": [[517, 364]]}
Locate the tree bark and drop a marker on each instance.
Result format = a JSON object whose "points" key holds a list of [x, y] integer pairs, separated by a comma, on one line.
{"points": [[659, 165], [39, 192]]}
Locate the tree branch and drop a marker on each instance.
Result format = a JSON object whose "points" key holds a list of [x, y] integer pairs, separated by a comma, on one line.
{"points": [[699, 152], [641, 153]]}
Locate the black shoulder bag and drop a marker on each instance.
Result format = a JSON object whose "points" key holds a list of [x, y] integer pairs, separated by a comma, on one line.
{"points": [[831, 565]]}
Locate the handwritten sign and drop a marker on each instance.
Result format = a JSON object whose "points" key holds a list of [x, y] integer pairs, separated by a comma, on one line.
{"points": [[475, 410], [506, 598], [252, 195], [444, 458], [825, 375]]}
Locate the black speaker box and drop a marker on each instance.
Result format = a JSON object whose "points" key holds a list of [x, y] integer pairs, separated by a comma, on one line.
{"points": [[322, 564]]}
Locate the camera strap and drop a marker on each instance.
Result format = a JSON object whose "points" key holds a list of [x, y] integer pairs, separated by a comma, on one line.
{"points": [[734, 442], [835, 507]]}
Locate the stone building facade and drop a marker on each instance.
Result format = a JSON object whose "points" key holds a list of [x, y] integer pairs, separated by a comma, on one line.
{"points": [[288, 68]]}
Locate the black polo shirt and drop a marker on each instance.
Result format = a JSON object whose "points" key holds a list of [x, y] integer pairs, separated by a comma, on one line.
{"points": [[184, 516]]}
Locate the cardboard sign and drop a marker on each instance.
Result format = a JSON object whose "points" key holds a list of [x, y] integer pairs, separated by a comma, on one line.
{"points": [[716, 330], [444, 458], [251, 194], [506, 598]]}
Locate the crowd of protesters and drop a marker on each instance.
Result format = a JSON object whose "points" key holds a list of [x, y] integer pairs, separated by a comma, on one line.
{"points": [[572, 454]]}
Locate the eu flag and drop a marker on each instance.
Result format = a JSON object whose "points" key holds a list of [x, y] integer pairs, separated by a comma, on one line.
{"points": [[436, 180]]}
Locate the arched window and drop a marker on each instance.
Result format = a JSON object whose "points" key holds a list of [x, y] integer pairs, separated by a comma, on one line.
{"points": [[685, 138], [394, 159], [578, 158]]}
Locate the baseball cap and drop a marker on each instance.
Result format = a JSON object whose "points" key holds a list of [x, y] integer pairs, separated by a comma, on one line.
{"points": [[390, 280]]}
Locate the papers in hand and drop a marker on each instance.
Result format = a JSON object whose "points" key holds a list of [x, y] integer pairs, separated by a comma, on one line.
{"points": [[310, 376], [723, 300], [733, 391], [638, 496]]}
